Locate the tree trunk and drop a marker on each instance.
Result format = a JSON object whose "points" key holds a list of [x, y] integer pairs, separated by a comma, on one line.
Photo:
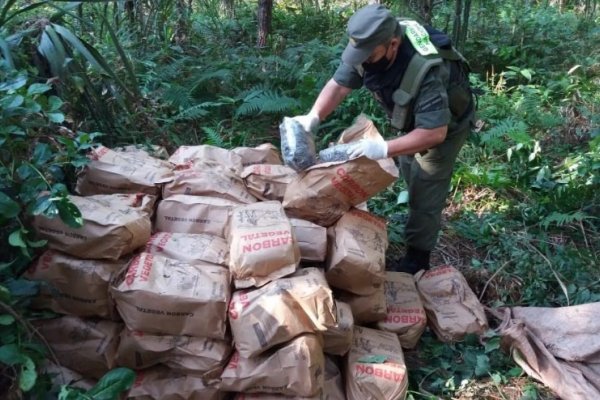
{"points": [[426, 11], [228, 7], [465, 25], [456, 28], [265, 12]]}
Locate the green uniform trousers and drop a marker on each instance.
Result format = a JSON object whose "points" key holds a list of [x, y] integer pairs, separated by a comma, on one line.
{"points": [[428, 179]]}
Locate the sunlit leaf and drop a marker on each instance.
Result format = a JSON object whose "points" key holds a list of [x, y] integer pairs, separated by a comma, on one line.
{"points": [[57, 118], [112, 384], [16, 239], [38, 88]]}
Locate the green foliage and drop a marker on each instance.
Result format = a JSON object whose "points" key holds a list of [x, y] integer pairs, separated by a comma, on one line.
{"points": [[445, 368], [258, 101]]}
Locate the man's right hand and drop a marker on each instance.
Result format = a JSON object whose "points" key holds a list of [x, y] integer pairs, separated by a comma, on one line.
{"points": [[309, 122]]}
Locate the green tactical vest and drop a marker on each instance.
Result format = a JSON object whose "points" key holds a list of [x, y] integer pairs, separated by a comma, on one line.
{"points": [[417, 68]]}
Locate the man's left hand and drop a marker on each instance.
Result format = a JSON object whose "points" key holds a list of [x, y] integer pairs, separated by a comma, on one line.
{"points": [[373, 149]]}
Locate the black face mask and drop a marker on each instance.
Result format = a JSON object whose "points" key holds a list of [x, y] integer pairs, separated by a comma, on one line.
{"points": [[378, 66]]}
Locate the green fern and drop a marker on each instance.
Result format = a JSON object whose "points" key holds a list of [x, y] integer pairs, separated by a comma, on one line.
{"points": [[214, 138], [178, 96], [561, 219], [508, 127], [261, 101], [194, 112], [199, 80]]}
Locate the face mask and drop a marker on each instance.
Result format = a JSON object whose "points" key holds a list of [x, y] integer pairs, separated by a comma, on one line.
{"points": [[377, 66]]}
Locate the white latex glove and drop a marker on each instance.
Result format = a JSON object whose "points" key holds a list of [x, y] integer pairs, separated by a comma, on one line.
{"points": [[309, 122], [373, 149]]}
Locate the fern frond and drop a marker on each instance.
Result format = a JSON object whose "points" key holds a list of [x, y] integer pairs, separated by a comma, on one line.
{"points": [[213, 137], [178, 96], [508, 127], [265, 102], [194, 112], [561, 219], [204, 75]]}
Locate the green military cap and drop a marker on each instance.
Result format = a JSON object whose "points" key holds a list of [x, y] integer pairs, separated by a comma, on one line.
{"points": [[369, 27]]}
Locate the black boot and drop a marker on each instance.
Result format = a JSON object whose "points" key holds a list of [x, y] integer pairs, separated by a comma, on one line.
{"points": [[414, 261]]}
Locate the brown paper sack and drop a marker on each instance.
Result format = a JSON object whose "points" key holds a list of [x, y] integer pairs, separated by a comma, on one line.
{"points": [[294, 369], [86, 346], [262, 244], [60, 375], [333, 388], [207, 156], [366, 309], [75, 286], [161, 383], [362, 128], [405, 313], [124, 202], [194, 214], [559, 346], [280, 310], [324, 192], [160, 295], [111, 172], [107, 232], [375, 367], [269, 396], [265, 153], [268, 182], [189, 247], [192, 355], [356, 259], [311, 239], [337, 339], [452, 308], [217, 182]]}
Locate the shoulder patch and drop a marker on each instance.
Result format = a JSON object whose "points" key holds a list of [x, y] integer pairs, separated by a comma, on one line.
{"points": [[419, 37]]}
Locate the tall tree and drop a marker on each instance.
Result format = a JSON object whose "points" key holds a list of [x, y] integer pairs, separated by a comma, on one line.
{"points": [[265, 15], [228, 8]]}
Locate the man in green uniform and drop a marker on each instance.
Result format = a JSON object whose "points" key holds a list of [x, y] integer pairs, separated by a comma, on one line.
{"points": [[434, 117]]}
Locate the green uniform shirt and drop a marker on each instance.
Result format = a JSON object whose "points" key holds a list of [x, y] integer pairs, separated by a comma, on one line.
{"points": [[430, 108]]}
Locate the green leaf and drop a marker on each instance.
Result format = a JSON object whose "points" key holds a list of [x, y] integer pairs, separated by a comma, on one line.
{"points": [[42, 203], [4, 294], [38, 88], [16, 239], [54, 103], [112, 384], [12, 101], [71, 393], [6, 319], [23, 287], [28, 375], [42, 154], [8, 207], [25, 171], [10, 355], [69, 213], [56, 117], [37, 243], [492, 345], [483, 365], [14, 84], [52, 49], [402, 197]]}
